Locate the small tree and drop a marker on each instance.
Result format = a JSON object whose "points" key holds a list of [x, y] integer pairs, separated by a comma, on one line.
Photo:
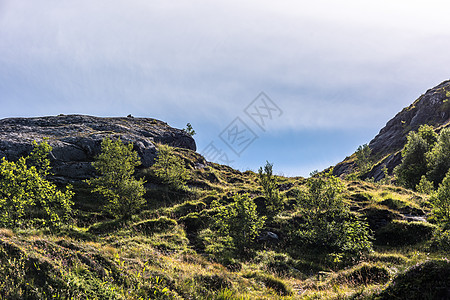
{"points": [[329, 225], [274, 201], [414, 163], [424, 186], [240, 221], [189, 130], [439, 158], [441, 201], [170, 168], [24, 190], [363, 158], [416, 157], [39, 157], [116, 165], [16, 189], [428, 134], [386, 178], [323, 198]]}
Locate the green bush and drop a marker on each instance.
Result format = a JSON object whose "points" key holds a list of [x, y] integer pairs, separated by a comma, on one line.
{"points": [[273, 199], [240, 221], [439, 158], [424, 186], [169, 168], [116, 166], [414, 163], [328, 225], [26, 193], [441, 201], [441, 240], [363, 158]]}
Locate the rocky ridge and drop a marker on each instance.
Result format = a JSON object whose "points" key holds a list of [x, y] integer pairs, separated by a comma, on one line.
{"points": [[432, 108], [76, 139]]}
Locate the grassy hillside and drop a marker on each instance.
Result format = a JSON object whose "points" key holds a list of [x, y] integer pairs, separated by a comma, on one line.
{"points": [[164, 251]]}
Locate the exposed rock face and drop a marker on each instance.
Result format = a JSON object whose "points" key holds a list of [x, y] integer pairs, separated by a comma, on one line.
{"points": [[431, 108], [76, 139]]}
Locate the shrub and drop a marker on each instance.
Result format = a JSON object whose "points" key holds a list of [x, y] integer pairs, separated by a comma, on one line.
{"points": [[189, 130], [240, 221], [424, 186], [363, 158], [441, 201], [24, 190], [170, 168], [218, 245], [441, 240], [274, 201], [116, 165], [414, 163], [328, 224], [439, 158]]}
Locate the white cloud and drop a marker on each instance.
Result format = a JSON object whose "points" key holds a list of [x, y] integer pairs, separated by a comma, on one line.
{"points": [[331, 64]]}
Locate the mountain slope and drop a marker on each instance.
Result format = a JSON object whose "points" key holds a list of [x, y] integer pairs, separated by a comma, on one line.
{"points": [[167, 250], [432, 108]]}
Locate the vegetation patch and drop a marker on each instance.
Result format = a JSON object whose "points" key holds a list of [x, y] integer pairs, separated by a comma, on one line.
{"points": [[271, 282], [106, 226], [158, 225], [214, 282], [400, 233], [188, 207], [427, 280], [364, 274], [402, 206]]}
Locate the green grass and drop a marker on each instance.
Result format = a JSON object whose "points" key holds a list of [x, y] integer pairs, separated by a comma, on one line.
{"points": [[160, 251]]}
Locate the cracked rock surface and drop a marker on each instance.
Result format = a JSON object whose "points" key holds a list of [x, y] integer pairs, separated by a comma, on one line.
{"points": [[76, 139]]}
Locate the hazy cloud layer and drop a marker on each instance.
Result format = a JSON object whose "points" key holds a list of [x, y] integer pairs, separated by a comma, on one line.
{"points": [[327, 64]]}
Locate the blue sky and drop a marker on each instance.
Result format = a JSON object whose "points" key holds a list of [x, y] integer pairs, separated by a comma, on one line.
{"points": [[337, 70]]}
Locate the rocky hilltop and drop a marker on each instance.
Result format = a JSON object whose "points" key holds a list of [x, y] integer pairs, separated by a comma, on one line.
{"points": [[76, 139], [431, 108]]}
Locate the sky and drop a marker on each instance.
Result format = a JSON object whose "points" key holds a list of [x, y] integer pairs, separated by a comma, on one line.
{"points": [[300, 84]]}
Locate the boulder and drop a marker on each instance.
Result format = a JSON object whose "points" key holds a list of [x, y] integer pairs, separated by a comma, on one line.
{"points": [[76, 139]]}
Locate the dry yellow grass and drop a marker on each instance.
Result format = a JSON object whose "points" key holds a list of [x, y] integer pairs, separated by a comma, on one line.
{"points": [[6, 232]]}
